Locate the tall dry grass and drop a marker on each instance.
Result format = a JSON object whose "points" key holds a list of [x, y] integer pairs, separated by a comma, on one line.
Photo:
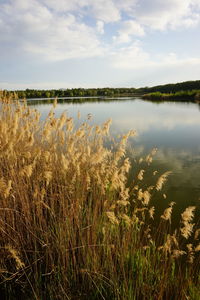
{"points": [[71, 227]]}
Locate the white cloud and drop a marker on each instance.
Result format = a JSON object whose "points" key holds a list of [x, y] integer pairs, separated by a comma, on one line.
{"points": [[126, 5], [196, 3], [57, 30], [162, 14], [65, 38], [128, 30], [132, 57], [105, 10], [49, 30], [159, 14], [100, 26], [62, 5], [33, 28], [173, 59]]}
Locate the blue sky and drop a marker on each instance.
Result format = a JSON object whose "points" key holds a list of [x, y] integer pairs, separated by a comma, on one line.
{"points": [[98, 43]]}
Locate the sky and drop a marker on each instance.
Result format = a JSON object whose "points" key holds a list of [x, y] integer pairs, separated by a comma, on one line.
{"points": [[47, 44]]}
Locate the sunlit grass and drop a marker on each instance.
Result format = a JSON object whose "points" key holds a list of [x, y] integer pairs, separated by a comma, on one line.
{"points": [[72, 228]]}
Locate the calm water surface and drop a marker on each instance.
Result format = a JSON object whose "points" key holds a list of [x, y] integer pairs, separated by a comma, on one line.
{"points": [[172, 127]]}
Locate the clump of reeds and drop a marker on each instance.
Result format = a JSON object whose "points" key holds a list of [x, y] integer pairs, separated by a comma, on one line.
{"points": [[71, 226]]}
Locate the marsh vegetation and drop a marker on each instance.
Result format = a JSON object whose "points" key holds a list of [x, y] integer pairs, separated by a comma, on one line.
{"points": [[191, 95], [71, 225]]}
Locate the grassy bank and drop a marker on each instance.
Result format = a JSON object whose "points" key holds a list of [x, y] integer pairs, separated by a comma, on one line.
{"points": [[70, 226], [193, 95]]}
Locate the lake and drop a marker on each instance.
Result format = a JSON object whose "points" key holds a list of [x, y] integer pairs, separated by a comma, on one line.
{"points": [[172, 127]]}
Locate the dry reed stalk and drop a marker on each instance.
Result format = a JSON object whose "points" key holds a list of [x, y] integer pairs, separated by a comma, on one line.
{"points": [[65, 206]]}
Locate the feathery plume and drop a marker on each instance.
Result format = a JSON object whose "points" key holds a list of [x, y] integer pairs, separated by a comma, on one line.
{"points": [[161, 180]]}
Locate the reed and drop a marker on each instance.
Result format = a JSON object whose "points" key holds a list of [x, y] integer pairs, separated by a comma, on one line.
{"points": [[71, 227]]}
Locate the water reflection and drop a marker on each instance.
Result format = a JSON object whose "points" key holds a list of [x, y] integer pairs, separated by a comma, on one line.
{"points": [[73, 100], [172, 127]]}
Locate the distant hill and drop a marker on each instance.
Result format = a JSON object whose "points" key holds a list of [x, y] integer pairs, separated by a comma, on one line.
{"points": [[172, 87]]}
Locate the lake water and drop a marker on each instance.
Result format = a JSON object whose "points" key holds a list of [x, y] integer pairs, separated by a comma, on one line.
{"points": [[172, 127]]}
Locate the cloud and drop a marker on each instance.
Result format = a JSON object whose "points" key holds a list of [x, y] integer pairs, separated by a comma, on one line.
{"points": [[63, 5], [44, 32], [162, 14], [58, 30], [100, 26], [196, 3], [126, 5], [105, 10], [65, 38], [128, 30], [131, 57], [168, 14], [33, 28], [134, 57]]}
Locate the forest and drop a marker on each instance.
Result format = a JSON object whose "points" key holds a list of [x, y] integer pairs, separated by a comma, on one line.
{"points": [[108, 91]]}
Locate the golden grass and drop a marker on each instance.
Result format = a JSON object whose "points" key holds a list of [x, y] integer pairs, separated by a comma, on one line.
{"points": [[72, 228]]}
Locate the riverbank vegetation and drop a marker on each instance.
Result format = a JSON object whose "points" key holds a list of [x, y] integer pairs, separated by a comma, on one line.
{"points": [[70, 225], [192, 95], [79, 92], [108, 92]]}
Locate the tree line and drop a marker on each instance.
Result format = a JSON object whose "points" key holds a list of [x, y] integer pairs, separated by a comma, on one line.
{"points": [[78, 92], [107, 92], [173, 87]]}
